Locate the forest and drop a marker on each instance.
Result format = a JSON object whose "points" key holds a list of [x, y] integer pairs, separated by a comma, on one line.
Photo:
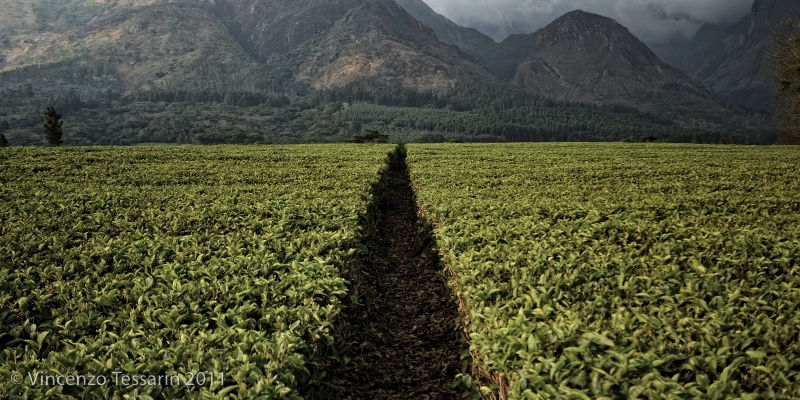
{"points": [[97, 111]]}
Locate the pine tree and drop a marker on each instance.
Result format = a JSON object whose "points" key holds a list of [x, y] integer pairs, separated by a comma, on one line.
{"points": [[53, 127]]}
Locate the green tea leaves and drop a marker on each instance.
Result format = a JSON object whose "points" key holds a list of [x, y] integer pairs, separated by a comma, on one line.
{"points": [[622, 271], [225, 259]]}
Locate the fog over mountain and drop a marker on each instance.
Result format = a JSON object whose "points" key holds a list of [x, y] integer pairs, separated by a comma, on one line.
{"points": [[652, 21]]}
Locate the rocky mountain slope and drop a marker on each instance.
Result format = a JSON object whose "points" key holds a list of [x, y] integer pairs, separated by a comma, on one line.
{"points": [[732, 60], [736, 65], [202, 71], [323, 43], [585, 57], [581, 57], [469, 40]]}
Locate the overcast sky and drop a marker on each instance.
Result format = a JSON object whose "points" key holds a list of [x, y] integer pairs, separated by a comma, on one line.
{"points": [[651, 20]]}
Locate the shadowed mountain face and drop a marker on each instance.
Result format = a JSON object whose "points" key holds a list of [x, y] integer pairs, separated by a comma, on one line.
{"points": [[585, 57], [501, 59], [469, 40], [732, 60], [690, 54], [737, 65], [581, 57], [729, 61]]}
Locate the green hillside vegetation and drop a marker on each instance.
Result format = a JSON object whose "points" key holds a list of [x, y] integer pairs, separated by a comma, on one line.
{"points": [[599, 271], [299, 114]]}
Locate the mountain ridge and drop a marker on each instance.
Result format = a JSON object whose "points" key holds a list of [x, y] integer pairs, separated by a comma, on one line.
{"points": [[739, 69], [732, 60], [267, 31], [590, 58], [515, 61], [297, 66]]}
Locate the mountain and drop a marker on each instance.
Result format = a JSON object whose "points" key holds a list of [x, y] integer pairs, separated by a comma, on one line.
{"points": [[127, 71], [152, 43], [344, 41], [287, 71], [584, 57], [471, 41], [141, 47], [706, 41], [690, 54], [581, 57], [735, 64], [501, 59]]}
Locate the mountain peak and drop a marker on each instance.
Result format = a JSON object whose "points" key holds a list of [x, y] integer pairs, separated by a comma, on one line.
{"points": [[578, 23], [603, 37], [587, 57], [581, 15]]}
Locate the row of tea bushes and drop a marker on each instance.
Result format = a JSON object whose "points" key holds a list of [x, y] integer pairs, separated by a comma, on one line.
{"points": [[599, 271], [175, 261]]}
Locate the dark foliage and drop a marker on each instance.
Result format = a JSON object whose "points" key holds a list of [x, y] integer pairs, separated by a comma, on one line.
{"points": [[786, 64], [371, 136], [273, 113], [53, 127]]}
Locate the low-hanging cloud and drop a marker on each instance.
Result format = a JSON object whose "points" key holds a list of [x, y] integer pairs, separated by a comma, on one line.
{"points": [[651, 20]]}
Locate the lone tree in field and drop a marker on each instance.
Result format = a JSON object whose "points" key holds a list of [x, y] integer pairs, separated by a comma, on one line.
{"points": [[53, 127], [786, 63], [371, 136]]}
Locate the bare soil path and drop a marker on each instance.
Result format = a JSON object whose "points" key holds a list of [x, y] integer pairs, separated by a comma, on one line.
{"points": [[404, 338]]}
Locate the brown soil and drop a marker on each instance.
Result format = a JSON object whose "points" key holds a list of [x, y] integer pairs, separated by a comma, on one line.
{"points": [[404, 340]]}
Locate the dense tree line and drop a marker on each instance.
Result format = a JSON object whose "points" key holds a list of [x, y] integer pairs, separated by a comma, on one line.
{"points": [[231, 97], [217, 104], [537, 124]]}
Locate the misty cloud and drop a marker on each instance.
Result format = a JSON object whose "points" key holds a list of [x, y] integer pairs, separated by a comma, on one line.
{"points": [[651, 20]]}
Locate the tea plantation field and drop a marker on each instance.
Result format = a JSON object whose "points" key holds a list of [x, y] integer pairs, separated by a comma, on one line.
{"points": [[220, 265], [599, 271], [582, 271]]}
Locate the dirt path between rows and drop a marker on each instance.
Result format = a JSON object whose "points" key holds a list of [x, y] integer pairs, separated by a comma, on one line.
{"points": [[404, 341]]}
